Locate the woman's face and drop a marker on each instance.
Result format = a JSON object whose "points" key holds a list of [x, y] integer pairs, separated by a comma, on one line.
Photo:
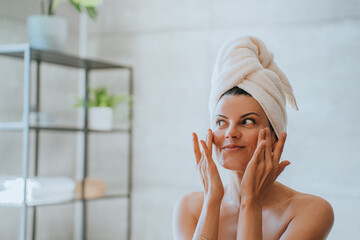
{"points": [[237, 122]]}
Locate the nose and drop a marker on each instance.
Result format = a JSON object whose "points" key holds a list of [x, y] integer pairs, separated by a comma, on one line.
{"points": [[233, 132]]}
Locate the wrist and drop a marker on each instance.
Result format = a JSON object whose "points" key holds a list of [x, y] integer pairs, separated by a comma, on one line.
{"points": [[212, 201], [249, 201]]}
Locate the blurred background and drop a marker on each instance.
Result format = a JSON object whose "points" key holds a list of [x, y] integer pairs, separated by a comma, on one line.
{"points": [[172, 47]]}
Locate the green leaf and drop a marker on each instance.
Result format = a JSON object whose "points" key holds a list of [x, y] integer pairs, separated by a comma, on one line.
{"points": [[55, 4], [92, 13], [50, 9], [75, 5], [88, 3], [99, 97]]}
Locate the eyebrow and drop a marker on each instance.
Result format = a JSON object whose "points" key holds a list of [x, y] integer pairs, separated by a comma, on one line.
{"points": [[245, 115]]}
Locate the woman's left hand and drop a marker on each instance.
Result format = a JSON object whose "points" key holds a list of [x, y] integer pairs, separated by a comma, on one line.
{"points": [[264, 167]]}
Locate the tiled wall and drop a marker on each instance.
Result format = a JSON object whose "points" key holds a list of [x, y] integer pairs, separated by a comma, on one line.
{"points": [[172, 46]]}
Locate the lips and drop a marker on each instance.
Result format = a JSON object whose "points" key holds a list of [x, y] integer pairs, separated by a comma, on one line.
{"points": [[233, 147]]}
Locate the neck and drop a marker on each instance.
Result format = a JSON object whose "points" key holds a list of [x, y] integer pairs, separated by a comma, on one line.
{"points": [[235, 187]]}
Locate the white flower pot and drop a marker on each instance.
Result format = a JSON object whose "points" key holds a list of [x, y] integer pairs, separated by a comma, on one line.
{"points": [[101, 118], [47, 32]]}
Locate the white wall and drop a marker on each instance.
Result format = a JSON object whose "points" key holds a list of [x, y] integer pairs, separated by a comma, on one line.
{"points": [[172, 46]]}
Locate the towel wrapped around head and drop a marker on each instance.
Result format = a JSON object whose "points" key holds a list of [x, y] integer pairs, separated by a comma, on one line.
{"points": [[245, 62]]}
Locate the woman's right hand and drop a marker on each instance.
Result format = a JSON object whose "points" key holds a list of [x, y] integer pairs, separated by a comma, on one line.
{"points": [[209, 174]]}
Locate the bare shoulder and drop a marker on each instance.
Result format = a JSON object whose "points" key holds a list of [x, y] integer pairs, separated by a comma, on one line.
{"points": [[315, 206], [186, 214], [312, 217], [299, 202], [305, 216], [190, 203]]}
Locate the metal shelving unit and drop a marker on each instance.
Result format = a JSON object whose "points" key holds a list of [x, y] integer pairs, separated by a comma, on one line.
{"points": [[28, 54]]}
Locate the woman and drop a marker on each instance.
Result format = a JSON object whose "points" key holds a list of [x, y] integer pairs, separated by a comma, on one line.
{"points": [[248, 118]]}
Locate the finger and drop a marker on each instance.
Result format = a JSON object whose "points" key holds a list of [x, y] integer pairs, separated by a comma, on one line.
{"points": [[268, 149], [197, 151], [260, 136], [209, 140], [206, 139], [279, 147], [207, 152], [282, 166], [258, 152], [274, 145]]}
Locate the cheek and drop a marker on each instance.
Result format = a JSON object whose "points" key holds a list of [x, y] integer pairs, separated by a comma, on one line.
{"points": [[253, 139], [218, 138], [218, 142]]}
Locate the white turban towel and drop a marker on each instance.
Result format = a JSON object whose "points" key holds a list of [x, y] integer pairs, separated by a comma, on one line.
{"points": [[245, 62]]}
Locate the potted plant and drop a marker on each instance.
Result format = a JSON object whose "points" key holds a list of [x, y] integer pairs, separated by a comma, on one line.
{"points": [[101, 107], [49, 32]]}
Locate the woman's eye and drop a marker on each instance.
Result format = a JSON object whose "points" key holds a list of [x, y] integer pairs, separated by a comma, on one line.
{"points": [[219, 122], [248, 121]]}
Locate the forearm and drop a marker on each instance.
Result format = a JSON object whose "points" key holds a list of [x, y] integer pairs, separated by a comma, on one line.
{"points": [[250, 220], [208, 224]]}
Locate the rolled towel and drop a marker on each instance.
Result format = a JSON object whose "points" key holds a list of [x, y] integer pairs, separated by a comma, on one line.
{"points": [[245, 62], [39, 190]]}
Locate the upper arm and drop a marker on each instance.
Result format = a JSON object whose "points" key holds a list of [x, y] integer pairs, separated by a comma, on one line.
{"points": [[313, 221], [184, 220]]}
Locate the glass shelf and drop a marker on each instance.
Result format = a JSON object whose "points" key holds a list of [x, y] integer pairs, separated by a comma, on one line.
{"points": [[19, 126], [77, 129], [76, 199], [17, 50]]}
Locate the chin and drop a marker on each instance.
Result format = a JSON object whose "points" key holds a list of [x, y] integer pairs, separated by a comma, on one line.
{"points": [[233, 163]]}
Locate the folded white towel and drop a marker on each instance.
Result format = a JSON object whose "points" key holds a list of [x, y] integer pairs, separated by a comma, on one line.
{"points": [[15, 198], [245, 62], [40, 190]]}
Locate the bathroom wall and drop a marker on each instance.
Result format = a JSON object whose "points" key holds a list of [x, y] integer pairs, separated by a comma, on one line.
{"points": [[172, 46]]}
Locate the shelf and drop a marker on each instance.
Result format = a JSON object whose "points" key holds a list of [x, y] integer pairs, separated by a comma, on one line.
{"points": [[20, 126], [17, 51], [30, 57], [111, 196], [75, 129], [11, 126]]}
